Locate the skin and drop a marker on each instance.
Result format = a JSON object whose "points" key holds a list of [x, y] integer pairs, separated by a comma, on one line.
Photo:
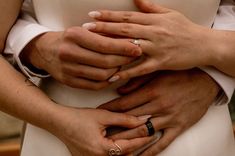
{"points": [[155, 95], [170, 110], [9, 13], [22, 99], [91, 62], [64, 121], [161, 25]]}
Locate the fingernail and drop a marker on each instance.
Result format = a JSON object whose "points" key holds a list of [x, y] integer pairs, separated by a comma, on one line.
{"points": [[114, 78], [94, 14], [144, 117], [89, 26]]}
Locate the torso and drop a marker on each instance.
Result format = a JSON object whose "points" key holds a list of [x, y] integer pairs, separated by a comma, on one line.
{"points": [[60, 14]]}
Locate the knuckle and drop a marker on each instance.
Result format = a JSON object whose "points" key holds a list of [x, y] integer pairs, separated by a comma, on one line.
{"points": [[104, 75], [142, 131], [62, 51], [129, 119], [74, 33], [127, 16], [126, 74], [69, 32], [125, 28]]}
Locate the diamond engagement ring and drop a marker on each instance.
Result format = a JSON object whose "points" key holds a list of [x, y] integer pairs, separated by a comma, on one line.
{"points": [[136, 42]]}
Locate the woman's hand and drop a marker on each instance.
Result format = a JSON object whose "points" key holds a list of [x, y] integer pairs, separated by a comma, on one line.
{"points": [[80, 58], [176, 101], [84, 131], [168, 39]]}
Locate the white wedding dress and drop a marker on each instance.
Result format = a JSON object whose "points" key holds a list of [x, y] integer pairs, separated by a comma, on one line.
{"points": [[211, 136]]}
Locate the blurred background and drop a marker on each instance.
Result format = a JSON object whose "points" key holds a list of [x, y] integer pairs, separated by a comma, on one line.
{"points": [[11, 132]]}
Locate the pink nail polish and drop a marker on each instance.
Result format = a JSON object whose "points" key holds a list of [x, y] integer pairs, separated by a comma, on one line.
{"points": [[89, 26], [114, 78], [94, 14]]}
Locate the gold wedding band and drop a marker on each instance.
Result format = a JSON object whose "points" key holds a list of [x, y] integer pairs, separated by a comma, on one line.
{"points": [[115, 152]]}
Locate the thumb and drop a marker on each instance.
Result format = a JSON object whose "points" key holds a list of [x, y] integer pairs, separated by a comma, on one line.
{"points": [[150, 7], [125, 120]]}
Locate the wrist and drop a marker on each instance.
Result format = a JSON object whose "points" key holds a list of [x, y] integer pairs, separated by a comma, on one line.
{"points": [[29, 55], [220, 47], [60, 124], [206, 45], [39, 52]]}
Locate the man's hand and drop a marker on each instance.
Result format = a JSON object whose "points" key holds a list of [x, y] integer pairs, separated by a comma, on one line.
{"points": [[80, 58], [177, 100]]}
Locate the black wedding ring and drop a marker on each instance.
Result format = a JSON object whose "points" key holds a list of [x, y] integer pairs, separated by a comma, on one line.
{"points": [[151, 130]]}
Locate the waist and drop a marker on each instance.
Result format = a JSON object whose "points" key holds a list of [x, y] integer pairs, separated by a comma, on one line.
{"points": [[75, 97]]}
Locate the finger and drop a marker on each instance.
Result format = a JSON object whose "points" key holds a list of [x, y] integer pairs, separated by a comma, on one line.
{"points": [[102, 44], [129, 101], [146, 67], [153, 107], [80, 55], [141, 131], [120, 29], [88, 72], [84, 83], [124, 120], [135, 83], [129, 146], [168, 137], [122, 16], [150, 7]]}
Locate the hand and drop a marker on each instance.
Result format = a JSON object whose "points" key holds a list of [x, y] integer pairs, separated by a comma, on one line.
{"points": [[168, 39], [84, 130], [176, 100], [80, 58]]}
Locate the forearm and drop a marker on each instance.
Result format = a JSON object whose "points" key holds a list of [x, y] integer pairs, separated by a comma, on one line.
{"points": [[23, 100], [9, 13]]}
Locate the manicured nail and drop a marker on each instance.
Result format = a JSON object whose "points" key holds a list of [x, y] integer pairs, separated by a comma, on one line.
{"points": [[89, 26], [114, 78], [94, 14], [144, 117]]}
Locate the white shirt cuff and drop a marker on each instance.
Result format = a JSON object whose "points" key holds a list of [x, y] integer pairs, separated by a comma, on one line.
{"points": [[226, 83], [21, 34]]}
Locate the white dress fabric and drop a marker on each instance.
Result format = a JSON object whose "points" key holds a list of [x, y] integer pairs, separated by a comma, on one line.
{"points": [[211, 136]]}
